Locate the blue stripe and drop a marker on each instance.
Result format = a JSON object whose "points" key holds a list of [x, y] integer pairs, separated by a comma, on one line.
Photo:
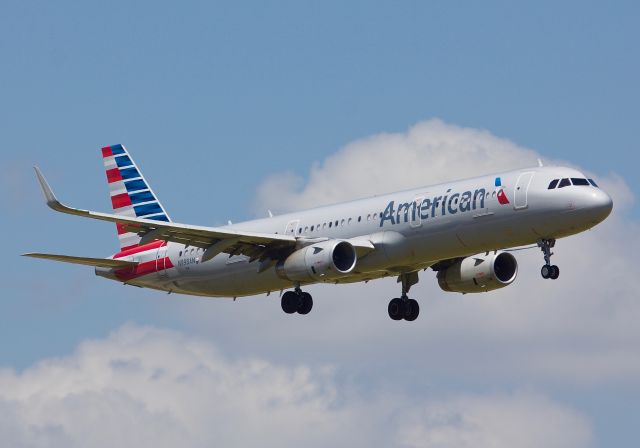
{"points": [[135, 185], [129, 173], [117, 149], [143, 196], [123, 161], [498, 182], [158, 218], [148, 209]]}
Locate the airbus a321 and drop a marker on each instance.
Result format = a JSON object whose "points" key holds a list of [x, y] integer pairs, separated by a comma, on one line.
{"points": [[460, 229]]}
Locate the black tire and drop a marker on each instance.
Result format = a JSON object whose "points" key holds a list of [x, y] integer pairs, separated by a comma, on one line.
{"points": [[306, 303], [555, 272], [545, 271], [412, 310], [396, 309], [290, 302]]}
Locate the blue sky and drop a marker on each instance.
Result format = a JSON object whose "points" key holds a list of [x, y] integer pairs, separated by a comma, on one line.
{"points": [[212, 98]]}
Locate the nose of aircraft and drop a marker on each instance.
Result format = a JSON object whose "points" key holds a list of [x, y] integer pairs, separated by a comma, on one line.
{"points": [[599, 204]]}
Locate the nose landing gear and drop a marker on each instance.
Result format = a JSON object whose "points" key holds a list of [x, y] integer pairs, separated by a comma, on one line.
{"points": [[548, 271]]}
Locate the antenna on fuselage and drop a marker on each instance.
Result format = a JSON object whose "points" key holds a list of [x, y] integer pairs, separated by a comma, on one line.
{"points": [[540, 164]]}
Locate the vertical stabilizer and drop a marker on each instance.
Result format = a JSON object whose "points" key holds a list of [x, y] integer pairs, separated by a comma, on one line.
{"points": [[130, 193]]}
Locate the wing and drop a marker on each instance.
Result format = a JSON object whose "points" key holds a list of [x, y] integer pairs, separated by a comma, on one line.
{"points": [[213, 240], [99, 262]]}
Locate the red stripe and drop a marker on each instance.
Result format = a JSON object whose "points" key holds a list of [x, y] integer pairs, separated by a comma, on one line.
{"points": [[120, 200], [130, 250], [113, 175], [127, 248], [120, 228], [146, 268], [106, 151]]}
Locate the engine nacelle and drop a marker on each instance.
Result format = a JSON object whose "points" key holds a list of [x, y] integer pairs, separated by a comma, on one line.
{"points": [[479, 273], [323, 261]]}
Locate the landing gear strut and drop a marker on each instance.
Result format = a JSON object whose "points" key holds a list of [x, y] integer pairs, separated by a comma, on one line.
{"points": [[404, 307], [548, 270], [296, 301]]}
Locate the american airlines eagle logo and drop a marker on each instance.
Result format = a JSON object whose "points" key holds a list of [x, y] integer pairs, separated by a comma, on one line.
{"points": [[502, 197]]}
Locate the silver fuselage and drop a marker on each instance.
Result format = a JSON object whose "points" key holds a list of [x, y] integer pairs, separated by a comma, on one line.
{"points": [[410, 230]]}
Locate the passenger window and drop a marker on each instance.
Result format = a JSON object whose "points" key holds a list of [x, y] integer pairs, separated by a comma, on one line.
{"points": [[592, 182], [336, 223], [564, 183], [306, 229], [359, 218], [342, 223], [369, 217], [312, 228], [375, 216], [579, 181], [349, 222], [299, 230], [330, 224], [553, 184]]}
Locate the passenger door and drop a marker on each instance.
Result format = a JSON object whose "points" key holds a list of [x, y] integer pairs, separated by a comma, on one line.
{"points": [[161, 265], [292, 227], [521, 190]]}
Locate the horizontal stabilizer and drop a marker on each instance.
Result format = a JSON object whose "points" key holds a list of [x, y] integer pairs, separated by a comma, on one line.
{"points": [[98, 262], [244, 242]]}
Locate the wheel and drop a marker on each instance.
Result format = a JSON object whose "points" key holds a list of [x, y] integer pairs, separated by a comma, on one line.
{"points": [[396, 309], [306, 303], [555, 272], [411, 311], [545, 271], [290, 302]]}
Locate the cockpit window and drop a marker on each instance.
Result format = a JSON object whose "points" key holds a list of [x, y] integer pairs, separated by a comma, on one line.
{"points": [[553, 184], [564, 183], [579, 181], [592, 182]]}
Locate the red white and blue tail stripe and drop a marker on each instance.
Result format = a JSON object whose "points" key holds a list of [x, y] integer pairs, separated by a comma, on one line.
{"points": [[130, 193]]}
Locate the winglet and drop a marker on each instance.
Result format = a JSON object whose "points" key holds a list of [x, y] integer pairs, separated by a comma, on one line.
{"points": [[52, 201]]}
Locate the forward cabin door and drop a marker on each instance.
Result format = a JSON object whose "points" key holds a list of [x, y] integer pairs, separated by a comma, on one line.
{"points": [[521, 190]]}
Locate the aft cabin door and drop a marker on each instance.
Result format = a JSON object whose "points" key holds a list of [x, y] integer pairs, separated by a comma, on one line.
{"points": [[520, 200], [161, 262]]}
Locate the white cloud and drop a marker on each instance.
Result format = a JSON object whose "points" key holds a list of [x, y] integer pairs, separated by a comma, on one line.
{"points": [[494, 422], [429, 152], [147, 387]]}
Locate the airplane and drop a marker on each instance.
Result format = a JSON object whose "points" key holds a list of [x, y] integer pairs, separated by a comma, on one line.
{"points": [[463, 230]]}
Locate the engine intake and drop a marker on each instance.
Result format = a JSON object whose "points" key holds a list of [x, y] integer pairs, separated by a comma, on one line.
{"points": [[479, 273], [323, 261]]}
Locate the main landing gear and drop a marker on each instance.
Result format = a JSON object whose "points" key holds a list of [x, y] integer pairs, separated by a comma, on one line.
{"points": [[404, 307], [548, 270], [296, 301]]}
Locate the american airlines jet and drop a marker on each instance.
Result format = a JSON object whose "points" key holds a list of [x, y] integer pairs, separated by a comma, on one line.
{"points": [[460, 229]]}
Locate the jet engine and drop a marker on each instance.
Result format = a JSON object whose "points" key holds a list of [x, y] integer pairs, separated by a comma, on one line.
{"points": [[479, 273], [322, 261]]}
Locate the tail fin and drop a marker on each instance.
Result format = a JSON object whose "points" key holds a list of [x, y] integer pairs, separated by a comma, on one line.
{"points": [[130, 193]]}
